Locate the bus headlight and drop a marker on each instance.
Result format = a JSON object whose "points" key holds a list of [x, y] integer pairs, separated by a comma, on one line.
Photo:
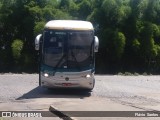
{"points": [[46, 75], [88, 76]]}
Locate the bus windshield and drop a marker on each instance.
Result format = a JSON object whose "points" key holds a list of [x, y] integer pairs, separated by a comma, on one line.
{"points": [[68, 49]]}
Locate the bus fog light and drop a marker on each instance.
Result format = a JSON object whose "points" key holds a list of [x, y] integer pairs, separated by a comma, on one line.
{"points": [[46, 75], [88, 76]]}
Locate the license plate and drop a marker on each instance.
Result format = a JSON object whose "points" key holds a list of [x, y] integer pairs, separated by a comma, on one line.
{"points": [[66, 84]]}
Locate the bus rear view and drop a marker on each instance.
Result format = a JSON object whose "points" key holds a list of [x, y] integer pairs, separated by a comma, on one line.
{"points": [[67, 54]]}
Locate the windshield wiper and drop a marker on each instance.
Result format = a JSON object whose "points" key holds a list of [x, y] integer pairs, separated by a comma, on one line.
{"points": [[59, 62], [75, 60]]}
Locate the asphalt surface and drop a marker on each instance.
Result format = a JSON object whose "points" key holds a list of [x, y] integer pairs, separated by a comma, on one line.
{"points": [[138, 91], [21, 92]]}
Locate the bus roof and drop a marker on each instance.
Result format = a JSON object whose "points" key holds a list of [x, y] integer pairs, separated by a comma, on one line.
{"points": [[69, 25]]}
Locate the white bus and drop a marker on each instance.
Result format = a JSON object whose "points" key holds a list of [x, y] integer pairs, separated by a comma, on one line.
{"points": [[67, 54]]}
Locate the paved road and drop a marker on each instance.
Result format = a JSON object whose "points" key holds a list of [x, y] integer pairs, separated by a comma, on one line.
{"points": [[138, 91], [130, 93]]}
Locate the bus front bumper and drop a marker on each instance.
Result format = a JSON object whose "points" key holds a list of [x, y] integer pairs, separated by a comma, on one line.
{"points": [[84, 80]]}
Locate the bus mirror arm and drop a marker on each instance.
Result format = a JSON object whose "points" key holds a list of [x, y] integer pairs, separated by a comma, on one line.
{"points": [[37, 42], [96, 44]]}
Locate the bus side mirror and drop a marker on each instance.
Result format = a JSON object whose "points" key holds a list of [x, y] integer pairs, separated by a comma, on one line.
{"points": [[96, 44], [37, 41]]}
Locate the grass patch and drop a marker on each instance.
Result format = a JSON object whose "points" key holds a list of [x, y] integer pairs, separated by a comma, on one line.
{"points": [[125, 74]]}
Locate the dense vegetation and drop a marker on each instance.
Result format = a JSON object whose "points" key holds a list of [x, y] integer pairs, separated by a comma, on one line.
{"points": [[129, 32]]}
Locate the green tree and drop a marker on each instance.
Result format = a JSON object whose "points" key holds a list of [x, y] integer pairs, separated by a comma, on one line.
{"points": [[119, 42], [152, 12], [84, 9], [38, 28], [17, 47], [129, 30]]}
